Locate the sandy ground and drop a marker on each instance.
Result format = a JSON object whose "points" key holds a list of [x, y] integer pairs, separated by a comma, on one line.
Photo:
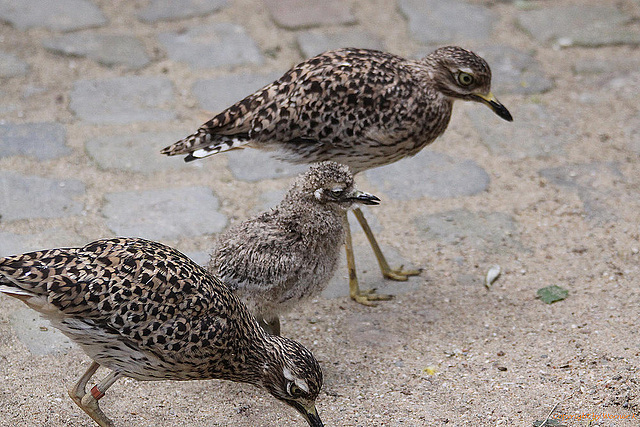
{"points": [[450, 353]]}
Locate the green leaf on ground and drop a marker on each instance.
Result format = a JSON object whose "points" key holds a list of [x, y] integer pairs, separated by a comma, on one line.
{"points": [[552, 293]]}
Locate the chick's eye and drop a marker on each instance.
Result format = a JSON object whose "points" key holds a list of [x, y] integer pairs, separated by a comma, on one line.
{"points": [[294, 390], [337, 192], [465, 79]]}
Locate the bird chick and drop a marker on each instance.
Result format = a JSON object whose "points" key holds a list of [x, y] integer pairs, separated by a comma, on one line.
{"points": [[146, 311], [281, 257]]}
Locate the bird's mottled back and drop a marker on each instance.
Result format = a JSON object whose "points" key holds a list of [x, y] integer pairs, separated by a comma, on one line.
{"points": [[143, 293], [363, 108]]}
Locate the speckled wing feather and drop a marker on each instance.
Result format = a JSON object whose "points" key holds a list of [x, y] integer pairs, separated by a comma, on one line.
{"points": [[162, 306], [321, 107], [261, 252]]}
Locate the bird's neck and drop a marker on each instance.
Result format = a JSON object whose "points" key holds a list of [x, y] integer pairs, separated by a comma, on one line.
{"points": [[424, 69], [251, 357]]}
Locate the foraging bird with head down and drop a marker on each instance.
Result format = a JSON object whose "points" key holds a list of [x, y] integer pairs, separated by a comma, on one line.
{"points": [[146, 311], [288, 254], [362, 108]]}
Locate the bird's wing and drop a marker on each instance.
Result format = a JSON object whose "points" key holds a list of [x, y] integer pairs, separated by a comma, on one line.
{"points": [[291, 108], [256, 254], [107, 278]]}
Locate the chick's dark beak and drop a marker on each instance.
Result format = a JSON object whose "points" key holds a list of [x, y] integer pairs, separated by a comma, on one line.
{"points": [[364, 198], [495, 105], [310, 414]]}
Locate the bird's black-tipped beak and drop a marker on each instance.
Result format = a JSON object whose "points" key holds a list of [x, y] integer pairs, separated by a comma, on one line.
{"points": [[495, 105], [310, 414], [364, 198]]}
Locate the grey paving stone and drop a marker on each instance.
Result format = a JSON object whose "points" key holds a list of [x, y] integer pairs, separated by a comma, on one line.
{"points": [[164, 214], [5, 105], [593, 182], [219, 44], [268, 200], [535, 132], [579, 25], [11, 244], [437, 22], [429, 174], [55, 237], [59, 15], [107, 49], [515, 71], [169, 10], [43, 141], [138, 152], [491, 232], [607, 65], [369, 214], [37, 334], [11, 65], [369, 276], [219, 93], [201, 257], [295, 14], [314, 42], [255, 165], [122, 100], [26, 196]]}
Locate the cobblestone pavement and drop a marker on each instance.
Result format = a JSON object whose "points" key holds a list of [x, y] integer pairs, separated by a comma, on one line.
{"points": [[93, 89]]}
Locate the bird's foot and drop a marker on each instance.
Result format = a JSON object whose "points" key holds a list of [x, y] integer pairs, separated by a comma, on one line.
{"points": [[399, 274], [89, 404], [367, 297], [76, 395]]}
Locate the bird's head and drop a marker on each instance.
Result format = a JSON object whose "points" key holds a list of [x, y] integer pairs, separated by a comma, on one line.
{"points": [[332, 184], [293, 375], [461, 74]]}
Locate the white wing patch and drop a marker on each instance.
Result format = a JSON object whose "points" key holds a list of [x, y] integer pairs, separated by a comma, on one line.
{"points": [[10, 290]]}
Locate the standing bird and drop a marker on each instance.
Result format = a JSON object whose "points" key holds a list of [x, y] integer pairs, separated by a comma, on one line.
{"points": [[362, 108], [290, 253], [146, 311]]}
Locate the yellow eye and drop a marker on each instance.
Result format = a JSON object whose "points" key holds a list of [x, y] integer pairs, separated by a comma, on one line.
{"points": [[294, 390], [465, 79]]}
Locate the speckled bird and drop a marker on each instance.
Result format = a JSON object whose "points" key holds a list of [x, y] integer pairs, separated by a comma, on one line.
{"points": [[362, 108], [146, 311], [289, 253]]}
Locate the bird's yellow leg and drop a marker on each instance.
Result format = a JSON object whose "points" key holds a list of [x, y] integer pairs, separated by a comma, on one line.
{"points": [[78, 390], [88, 402], [393, 274], [363, 297]]}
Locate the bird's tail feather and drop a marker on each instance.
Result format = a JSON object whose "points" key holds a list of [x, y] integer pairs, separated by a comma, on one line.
{"points": [[30, 272], [203, 144], [10, 285]]}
